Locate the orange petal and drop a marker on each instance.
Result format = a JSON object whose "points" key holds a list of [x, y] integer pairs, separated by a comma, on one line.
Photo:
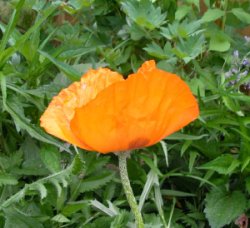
{"points": [[56, 119], [137, 112]]}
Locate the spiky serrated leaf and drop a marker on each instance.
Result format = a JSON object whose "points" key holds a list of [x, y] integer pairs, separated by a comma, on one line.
{"points": [[40, 188], [7, 179], [144, 13], [94, 162], [95, 182], [57, 186], [152, 221], [178, 30], [14, 218], [13, 199], [190, 49], [77, 164]]}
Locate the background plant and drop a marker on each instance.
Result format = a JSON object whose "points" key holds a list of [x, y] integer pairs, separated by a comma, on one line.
{"points": [[189, 178]]}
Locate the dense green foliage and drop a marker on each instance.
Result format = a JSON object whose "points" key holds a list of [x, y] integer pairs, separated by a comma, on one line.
{"points": [[198, 177]]}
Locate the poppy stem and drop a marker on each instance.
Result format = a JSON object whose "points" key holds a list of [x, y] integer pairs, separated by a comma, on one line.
{"points": [[127, 188]]}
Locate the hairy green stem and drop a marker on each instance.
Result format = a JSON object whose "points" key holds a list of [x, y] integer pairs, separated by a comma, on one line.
{"points": [[127, 188]]}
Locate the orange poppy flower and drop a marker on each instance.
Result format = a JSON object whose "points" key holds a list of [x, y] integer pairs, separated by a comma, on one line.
{"points": [[104, 112]]}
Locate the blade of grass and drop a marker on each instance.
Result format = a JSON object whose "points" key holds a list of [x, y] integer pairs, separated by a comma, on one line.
{"points": [[159, 203], [171, 213], [152, 178], [65, 68], [31, 129], [103, 208], [11, 25], [165, 150], [5, 54]]}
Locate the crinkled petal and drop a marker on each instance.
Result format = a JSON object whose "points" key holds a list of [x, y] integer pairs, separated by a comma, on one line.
{"points": [[56, 119], [137, 112]]}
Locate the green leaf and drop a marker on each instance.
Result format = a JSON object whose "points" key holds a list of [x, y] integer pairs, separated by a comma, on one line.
{"points": [[231, 104], [29, 48], [155, 50], [60, 218], [241, 15], [32, 164], [192, 157], [135, 171], [182, 11], [13, 199], [185, 146], [212, 15], [224, 164], [50, 156], [58, 187], [7, 179], [219, 42], [240, 97], [223, 207], [247, 180], [137, 32], [195, 2], [120, 220], [151, 164], [72, 207], [153, 221]]}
